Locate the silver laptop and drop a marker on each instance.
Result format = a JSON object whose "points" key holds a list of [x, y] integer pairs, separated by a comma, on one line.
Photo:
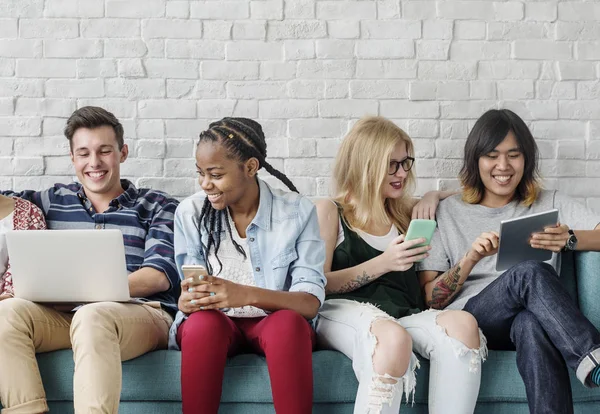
{"points": [[68, 265], [515, 235]]}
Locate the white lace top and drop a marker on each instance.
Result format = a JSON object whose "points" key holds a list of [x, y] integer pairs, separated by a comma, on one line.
{"points": [[236, 269]]}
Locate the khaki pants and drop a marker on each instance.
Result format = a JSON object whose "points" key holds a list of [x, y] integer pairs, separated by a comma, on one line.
{"points": [[101, 334]]}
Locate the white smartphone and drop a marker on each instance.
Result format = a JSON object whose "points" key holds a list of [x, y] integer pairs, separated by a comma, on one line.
{"points": [[194, 272]]}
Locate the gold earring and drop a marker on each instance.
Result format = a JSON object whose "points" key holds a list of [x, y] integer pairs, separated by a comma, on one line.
{"points": [[230, 136]]}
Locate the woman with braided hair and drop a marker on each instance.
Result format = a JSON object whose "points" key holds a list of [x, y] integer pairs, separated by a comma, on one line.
{"points": [[265, 283]]}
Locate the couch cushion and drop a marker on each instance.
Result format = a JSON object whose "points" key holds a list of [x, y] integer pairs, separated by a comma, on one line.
{"points": [[155, 377], [588, 284]]}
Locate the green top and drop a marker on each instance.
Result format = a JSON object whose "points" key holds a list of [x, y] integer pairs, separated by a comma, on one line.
{"points": [[396, 293]]}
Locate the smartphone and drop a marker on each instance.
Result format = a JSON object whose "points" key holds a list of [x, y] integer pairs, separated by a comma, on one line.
{"points": [[421, 228], [194, 272]]}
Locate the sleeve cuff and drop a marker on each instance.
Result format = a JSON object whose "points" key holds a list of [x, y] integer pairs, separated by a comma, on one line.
{"points": [[438, 267], [161, 268], [312, 288]]}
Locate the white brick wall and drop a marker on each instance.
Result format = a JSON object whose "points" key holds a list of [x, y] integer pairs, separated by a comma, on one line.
{"points": [[306, 69]]}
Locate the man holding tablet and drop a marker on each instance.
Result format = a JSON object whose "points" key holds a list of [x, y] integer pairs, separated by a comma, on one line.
{"points": [[525, 308], [102, 334]]}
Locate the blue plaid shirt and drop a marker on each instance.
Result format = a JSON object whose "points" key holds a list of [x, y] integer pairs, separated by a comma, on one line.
{"points": [[144, 216]]}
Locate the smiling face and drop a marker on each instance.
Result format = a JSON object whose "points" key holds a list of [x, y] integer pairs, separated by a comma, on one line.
{"points": [[223, 179], [501, 171], [97, 160], [393, 185]]}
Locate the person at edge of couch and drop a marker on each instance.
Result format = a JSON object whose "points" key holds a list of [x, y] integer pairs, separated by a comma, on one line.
{"points": [[374, 311], [525, 308], [15, 214], [105, 333], [264, 258]]}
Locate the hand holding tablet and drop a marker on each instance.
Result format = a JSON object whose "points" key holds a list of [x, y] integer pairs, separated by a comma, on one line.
{"points": [[516, 236], [552, 238]]}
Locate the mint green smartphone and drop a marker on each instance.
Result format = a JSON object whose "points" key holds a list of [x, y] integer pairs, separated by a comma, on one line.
{"points": [[421, 228]]}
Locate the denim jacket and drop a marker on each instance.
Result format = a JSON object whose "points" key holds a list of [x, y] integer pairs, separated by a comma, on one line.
{"points": [[286, 249]]}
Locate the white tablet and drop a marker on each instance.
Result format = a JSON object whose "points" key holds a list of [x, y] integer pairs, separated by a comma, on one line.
{"points": [[515, 235]]}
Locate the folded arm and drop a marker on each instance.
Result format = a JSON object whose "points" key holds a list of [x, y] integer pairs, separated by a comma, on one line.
{"points": [[147, 281], [158, 272], [220, 293], [305, 304]]}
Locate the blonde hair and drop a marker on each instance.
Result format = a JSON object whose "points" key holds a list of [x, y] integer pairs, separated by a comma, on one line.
{"points": [[361, 167]]}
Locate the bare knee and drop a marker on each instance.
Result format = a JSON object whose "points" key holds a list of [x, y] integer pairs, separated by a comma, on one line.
{"points": [[462, 326], [393, 350]]}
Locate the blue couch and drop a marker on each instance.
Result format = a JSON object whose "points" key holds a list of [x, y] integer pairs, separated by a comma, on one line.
{"points": [[151, 382]]}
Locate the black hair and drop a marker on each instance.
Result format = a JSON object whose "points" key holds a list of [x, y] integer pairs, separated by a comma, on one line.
{"points": [[242, 139], [487, 133]]}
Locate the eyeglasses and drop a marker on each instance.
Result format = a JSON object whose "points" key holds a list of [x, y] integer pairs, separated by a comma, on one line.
{"points": [[407, 163]]}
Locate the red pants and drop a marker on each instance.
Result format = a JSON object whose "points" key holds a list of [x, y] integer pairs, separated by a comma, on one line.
{"points": [[207, 338]]}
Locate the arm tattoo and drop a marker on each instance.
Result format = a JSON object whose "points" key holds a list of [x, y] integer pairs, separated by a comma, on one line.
{"points": [[445, 288], [354, 284]]}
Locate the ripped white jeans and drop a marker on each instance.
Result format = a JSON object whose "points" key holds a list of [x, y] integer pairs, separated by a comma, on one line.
{"points": [[455, 370]]}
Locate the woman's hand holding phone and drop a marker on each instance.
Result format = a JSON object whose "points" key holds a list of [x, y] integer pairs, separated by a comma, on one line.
{"points": [[200, 291], [194, 275], [189, 298], [421, 229], [401, 255], [221, 293]]}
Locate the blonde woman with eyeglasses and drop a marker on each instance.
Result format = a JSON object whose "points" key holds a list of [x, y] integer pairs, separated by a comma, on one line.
{"points": [[374, 311]]}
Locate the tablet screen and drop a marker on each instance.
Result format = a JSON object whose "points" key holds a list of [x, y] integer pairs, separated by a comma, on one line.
{"points": [[515, 235]]}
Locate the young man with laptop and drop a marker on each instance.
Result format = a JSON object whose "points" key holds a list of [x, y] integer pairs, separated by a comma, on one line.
{"points": [[524, 308], [102, 334]]}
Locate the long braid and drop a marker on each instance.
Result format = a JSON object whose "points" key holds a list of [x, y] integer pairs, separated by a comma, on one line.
{"points": [[201, 222], [243, 139], [213, 214], [217, 235], [280, 176], [239, 248]]}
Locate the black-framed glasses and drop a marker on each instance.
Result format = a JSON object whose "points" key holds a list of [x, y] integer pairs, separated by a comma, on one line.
{"points": [[407, 163]]}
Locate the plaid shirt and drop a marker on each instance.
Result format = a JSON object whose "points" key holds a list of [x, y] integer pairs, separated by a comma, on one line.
{"points": [[144, 216]]}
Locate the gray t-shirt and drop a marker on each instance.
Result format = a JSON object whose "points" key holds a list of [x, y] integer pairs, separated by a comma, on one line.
{"points": [[459, 224]]}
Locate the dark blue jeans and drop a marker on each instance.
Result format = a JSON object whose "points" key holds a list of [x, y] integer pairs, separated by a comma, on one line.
{"points": [[527, 309]]}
